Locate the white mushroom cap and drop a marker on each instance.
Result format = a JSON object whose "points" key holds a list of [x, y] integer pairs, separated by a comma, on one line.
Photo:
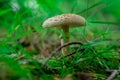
{"points": [[71, 20]]}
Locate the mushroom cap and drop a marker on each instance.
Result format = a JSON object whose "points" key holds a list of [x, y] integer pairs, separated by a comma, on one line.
{"points": [[70, 20]]}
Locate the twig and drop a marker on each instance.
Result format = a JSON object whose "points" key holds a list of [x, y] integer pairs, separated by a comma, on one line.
{"points": [[70, 54], [65, 45], [59, 48], [112, 76]]}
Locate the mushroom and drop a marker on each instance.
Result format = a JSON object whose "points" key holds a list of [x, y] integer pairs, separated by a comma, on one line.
{"points": [[65, 21]]}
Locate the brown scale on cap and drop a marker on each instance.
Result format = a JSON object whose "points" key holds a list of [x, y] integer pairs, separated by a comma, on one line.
{"points": [[71, 20], [65, 21]]}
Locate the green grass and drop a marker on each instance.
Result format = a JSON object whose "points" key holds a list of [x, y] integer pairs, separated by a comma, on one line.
{"points": [[25, 45]]}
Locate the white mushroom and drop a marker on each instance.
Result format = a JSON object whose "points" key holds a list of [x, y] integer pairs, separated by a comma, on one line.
{"points": [[65, 21]]}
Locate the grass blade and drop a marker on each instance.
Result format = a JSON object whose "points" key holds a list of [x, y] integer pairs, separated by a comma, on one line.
{"points": [[2, 12], [105, 22], [96, 4]]}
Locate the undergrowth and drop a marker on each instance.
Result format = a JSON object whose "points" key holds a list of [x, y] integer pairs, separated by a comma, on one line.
{"points": [[25, 46]]}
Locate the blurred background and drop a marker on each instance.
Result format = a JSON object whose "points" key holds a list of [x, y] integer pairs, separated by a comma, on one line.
{"points": [[21, 21], [21, 30]]}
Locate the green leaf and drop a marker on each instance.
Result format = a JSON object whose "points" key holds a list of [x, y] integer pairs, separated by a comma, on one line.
{"points": [[3, 12]]}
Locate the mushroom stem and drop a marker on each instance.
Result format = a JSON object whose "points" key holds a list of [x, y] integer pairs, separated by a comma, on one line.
{"points": [[64, 38]]}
